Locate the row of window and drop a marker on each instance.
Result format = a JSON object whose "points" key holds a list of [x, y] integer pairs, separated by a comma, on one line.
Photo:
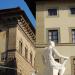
{"points": [[53, 11], [53, 35], [26, 51]]}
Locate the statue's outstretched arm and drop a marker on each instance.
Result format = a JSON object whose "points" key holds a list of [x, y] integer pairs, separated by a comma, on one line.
{"points": [[58, 54]]}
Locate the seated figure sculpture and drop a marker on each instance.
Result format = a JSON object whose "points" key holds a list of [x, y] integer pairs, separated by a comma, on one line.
{"points": [[60, 67]]}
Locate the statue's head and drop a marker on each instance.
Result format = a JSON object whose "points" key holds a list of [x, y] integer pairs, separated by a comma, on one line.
{"points": [[52, 43]]}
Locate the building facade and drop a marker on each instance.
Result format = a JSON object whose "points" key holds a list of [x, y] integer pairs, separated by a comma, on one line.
{"points": [[55, 21], [17, 39]]}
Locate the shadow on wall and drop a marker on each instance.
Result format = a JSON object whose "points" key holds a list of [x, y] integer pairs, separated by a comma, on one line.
{"points": [[9, 68], [11, 64]]}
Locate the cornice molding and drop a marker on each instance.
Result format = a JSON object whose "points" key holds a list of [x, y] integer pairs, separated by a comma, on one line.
{"points": [[59, 44], [26, 28]]}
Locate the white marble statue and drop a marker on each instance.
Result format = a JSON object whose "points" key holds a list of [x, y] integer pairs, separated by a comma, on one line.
{"points": [[59, 67]]}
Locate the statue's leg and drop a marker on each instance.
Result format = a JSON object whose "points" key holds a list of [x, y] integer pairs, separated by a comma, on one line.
{"points": [[62, 70], [55, 71]]}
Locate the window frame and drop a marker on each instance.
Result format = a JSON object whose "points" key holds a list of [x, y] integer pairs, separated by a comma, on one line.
{"points": [[31, 58], [52, 35], [26, 52], [72, 8], [72, 35], [58, 29], [20, 46], [72, 65], [52, 14]]}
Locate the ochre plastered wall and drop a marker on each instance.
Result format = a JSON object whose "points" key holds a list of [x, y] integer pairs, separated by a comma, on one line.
{"points": [[64, 22]]}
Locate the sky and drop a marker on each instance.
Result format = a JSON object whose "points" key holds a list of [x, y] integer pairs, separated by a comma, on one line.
{"points": [[32, 6], [5, 4]]}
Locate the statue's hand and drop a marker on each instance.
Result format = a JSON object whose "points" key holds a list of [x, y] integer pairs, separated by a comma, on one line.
{"points": [[66, 58]]}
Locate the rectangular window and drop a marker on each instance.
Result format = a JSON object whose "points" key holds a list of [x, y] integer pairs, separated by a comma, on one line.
{"points": [[31, 58], [52, 12], [72, 65], [20, 47], [3, 56], [26, 52], [53, 35], [72, 10], [73, 35]]}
